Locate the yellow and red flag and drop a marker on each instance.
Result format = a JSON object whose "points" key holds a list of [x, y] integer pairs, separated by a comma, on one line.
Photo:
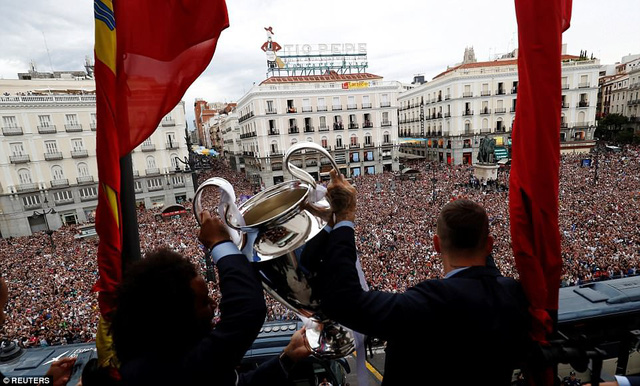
{"points": [[147, 53]]}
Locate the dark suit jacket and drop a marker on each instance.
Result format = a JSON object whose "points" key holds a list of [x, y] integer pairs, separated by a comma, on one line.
{"points": [[214, 359], [467, 329]]}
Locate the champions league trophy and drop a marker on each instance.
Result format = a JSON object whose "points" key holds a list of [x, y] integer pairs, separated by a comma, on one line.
{"points": [[275, 231]]}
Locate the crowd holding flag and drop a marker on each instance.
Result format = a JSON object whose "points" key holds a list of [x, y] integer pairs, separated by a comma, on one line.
{"points": [[147, 53]]}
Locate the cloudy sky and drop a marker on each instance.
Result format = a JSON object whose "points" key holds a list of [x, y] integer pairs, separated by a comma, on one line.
{"points": [[404, 37]]}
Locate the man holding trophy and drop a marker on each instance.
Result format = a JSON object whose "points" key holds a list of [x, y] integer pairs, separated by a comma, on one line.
{"points": [[470, 327]]}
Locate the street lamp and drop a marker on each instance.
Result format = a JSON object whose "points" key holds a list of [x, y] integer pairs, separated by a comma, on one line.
{"points": [[45, 211]]}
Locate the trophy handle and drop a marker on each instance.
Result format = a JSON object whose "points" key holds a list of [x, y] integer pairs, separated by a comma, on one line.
{"points": [[227, 206], [300, 173]]}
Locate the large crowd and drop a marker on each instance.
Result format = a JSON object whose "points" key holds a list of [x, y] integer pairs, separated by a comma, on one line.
{"points": [[50, 278]]}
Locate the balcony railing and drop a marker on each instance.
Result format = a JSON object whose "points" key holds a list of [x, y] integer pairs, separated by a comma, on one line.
{"points": [[582, 104], [565, 86], [338, 126], [276, 153], [385, 123], [28, 187], [152, 171], [272, 111], [354, 126], [12, 130], [354, 146], [168, 122], [514, 90], [447, 97], [148, 147], [291, 110], [467, 94], [512, 109], [368, 145], [323, 128], [19, 159], [485, 93], [276, 167], [467, 112], [73, 127], [352, 107], [447, 115], [501, 110], [172, 145], [93, 126], [385, 104], [307, 109], [85, 180], [339, 147], [79, 153], [565, 105], [583, 85], [321, 108], [366, 105], [309, 129], [52, 156], [274, 132], [51, 129], [501, 129], [367, 124], [336, 107], [63, 182], [500, 92], [485, 111], [294, 130]]}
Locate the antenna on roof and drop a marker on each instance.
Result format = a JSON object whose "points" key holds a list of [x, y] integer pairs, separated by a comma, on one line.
{"points": [[46, 46]]}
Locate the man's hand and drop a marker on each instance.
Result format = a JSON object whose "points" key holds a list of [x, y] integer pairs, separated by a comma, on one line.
{"points": [[60, 371], [342, 196], [212, 231], [298, 348]]}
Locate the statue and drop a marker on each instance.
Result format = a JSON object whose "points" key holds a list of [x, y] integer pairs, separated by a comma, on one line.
{"points": [[486, 150], [271, 48]]}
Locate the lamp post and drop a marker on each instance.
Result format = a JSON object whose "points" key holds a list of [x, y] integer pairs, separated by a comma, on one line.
{"points": [[45, 211], [595, 176], [433, 189]]}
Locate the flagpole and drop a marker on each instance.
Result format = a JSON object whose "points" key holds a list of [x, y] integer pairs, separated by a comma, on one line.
{"points": [[130, 236]]}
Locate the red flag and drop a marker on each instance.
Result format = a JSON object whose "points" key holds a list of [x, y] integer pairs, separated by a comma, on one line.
{"points": [[147, 54], [533, 191]]}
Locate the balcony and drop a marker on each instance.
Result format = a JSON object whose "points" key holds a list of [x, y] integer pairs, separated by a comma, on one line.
{"points": [[583, 85], [276, 167], [19, 159], [500, 92], [352, 107], [85, 180], [467, 94], [276, 153], [52, 156], [309, 129], [385, 123], [272, 111], [339, 147], [73, 127], [61, 183], [168, 122], [565, 86], [336, 107], [307, 109], [447, 97], [367, 125], [51, 129], [501, 110], [514, 90], [447, 115], [245, 117], [368, 145], [512, 109], [12, 130], [354, 126], [291, 110], [274, 132], [485, 93], [321, 108], [338, 126], [323, 128], [63, 200], [366, 105], [152, 171], [172, 145], [178, 183], [312, 162], [501, 129], [583, 104], [354, 146], [93, 126], [79, 153], [565, 105], [485, 111], [148, 147], [385, 104], [28, 187], [467, 113], [294, 130]]}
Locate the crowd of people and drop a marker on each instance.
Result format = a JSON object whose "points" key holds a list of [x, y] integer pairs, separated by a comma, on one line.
{"points": [[50, 278]]}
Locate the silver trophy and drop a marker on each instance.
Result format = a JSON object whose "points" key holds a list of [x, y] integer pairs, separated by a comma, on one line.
{"points": [[273, 228]]}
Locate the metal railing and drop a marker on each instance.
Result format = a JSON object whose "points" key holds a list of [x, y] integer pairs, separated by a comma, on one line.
{"points": [[152, 171], [148, 147], [79, 153], [73, 127], [12, 130], [19, 158], [85, 179], [168, 122], [51, 156], [27, 187], [59, 183], [51, 129]]}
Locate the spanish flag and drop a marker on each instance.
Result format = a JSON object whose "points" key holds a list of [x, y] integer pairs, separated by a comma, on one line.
{"points": [[147, 53]]}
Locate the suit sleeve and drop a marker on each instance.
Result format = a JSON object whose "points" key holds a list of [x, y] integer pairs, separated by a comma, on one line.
{"points": [[369, 312], [268, 373], [243, 312]]}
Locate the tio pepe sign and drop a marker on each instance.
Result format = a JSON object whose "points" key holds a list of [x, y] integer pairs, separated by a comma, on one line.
{"points": [[325, 49]]}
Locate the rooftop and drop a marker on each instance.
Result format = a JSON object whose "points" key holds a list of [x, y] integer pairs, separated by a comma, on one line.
{"points": [[331, 77]]}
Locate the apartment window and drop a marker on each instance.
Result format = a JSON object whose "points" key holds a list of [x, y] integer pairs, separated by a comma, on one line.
{"points": [[17, 149], [338, 141], [31, 200], [93, 117], [323, 141], [384, 100], [51, 147], [270, 108], [147, 142], [71, 119], [323, 122], [274, 147], [354, 139], [367, 139], [88, 193], [366, 103], [83, 170], [9, 121], [151, 162], [154, 183], [171, 140], [368, 156], [386, 137], [63, 195], [177, 180], [77, 144], [354, 156], [336, 103], [306, 105], [138, 186], [44, 120], [24, 176], [322, 105], [57, 173], [385, 116]]}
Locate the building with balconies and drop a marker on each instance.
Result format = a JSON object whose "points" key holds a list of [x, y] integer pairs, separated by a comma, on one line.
{"points": [[352, 115], [47, 156], [444, 119]]}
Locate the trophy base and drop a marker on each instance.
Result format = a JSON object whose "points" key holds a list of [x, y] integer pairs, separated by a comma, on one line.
{"points": [[329, 340]]}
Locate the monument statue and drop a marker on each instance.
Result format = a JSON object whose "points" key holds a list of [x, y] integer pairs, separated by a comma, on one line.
{"points": [[486, 150]]}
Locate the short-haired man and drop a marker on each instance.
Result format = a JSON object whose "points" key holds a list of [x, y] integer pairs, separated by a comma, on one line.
{"points": [[470, 327], [162, 329]]}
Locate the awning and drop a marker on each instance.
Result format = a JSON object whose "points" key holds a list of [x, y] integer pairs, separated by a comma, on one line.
{"points": [[500, 153]]}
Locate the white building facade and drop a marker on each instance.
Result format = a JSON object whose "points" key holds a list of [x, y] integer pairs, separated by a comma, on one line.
{"points": [[48, 167], [353, 116], [447, 116]]}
